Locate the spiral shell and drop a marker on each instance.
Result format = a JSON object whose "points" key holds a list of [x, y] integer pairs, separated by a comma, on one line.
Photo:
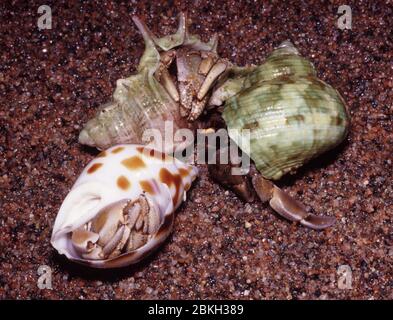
{"points": [[292, 115], [149, 98], [121, 207]]}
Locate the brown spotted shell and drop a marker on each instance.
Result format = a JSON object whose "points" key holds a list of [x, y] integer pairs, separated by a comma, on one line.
{"points": [[119, 177]]}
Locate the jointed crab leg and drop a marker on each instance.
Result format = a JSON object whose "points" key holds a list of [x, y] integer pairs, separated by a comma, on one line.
{"points": [[211, 77], [280, 201], [197, 62], [197, 108], [169, 85], [222, 173], [120, 227], [288, 207], [162, 74], [209, 58]]}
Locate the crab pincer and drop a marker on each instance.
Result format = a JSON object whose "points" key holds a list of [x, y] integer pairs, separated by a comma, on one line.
{"points": [[253, 185], [288, 207]]}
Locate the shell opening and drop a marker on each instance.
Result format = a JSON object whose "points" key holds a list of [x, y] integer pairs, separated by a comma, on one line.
{"points": [[117, 229]]}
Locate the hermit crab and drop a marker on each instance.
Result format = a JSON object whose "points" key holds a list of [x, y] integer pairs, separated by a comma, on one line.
{"points": [[292, 116], [121, 208], [153, 96]]}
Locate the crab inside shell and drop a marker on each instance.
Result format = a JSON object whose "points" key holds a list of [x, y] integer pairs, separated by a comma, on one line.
{"points": [[117, 234], [122, 206], [173, 83], [119, 228]]}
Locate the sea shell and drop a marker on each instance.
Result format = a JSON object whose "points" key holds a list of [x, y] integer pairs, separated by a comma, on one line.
{"points": [[152, 96], [292, 115], [121, 207]]}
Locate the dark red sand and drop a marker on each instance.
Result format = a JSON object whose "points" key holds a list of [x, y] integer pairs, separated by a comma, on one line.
{"points": [[52, 81]]}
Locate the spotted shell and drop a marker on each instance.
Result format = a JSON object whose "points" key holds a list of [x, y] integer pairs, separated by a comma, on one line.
{"points": [[120, 175], [292, 115]]}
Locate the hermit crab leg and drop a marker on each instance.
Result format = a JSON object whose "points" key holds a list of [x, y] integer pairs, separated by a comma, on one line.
{"points": [[211, 77], [162, 74], [222, 173], [118, 228], [208, 60], [288, 207], [197, 108], [169, 85]]}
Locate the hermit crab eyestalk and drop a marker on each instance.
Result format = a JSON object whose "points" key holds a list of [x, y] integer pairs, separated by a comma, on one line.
{"points": [[122, 207]]}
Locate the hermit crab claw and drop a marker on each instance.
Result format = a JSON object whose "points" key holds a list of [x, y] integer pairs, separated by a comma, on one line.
{"points": [[288, 207], [254, 184]]}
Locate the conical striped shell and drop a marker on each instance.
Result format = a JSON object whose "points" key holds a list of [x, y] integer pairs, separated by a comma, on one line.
{"points": [[292, 115]]}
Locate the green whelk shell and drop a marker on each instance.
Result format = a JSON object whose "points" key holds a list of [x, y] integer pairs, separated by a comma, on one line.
{"points": [[292, 115]]}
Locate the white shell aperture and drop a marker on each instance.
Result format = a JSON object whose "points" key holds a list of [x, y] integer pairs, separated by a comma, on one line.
{"points": [[121, 208]]}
